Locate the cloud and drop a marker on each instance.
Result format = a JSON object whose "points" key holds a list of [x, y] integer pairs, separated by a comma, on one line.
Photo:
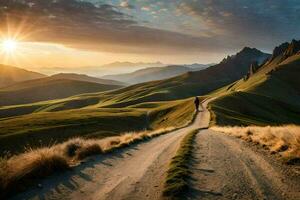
{"points": [[213, 26], [146, 8], [126, 4], [260, 22], [84, 25]]}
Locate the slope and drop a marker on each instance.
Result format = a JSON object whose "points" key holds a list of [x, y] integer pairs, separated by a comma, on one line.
{"points": [[189, 84], [179, 87], [46, 89], [83, 77], [150, 74], [10, 75], [270, 96], [41, 126]]}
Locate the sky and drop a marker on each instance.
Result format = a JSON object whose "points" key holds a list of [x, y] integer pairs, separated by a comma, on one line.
{"points": [[80, 33]]}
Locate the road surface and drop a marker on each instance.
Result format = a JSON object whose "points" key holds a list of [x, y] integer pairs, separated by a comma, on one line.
{"points": [[136, 172], [229, 168], [223, 168]]}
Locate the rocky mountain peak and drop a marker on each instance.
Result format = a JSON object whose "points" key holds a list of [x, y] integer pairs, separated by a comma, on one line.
{"points": [[286, 50]]}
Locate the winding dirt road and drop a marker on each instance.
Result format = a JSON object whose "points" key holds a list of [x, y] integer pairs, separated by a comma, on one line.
{"points": [[223, 168], [136, 172]]}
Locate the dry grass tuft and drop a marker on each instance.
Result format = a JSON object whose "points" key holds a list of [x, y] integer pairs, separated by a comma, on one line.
{"points": [[19, 171], [282, 140], [89, 150]]}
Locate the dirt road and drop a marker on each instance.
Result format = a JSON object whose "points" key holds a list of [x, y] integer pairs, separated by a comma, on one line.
{"points": [[136, 172], [224, 168], [229, 168]]}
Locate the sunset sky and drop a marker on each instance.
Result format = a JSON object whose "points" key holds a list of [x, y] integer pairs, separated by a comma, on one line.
{"points": [[73, 33]]}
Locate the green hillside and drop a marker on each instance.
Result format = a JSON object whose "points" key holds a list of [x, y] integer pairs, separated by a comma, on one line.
{"points": [[43, 128], [196, 83], [269, 97], [148, 105], [47, 89]]}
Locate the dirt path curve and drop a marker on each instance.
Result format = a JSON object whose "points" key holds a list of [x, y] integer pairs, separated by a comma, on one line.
{"points": [[136, 172], [229, 168]]}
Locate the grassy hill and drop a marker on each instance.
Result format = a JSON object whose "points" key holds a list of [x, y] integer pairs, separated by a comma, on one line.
{"points": [[148, 105], [43, 127], [47, 89], [10, 75], [180, 87], [269, 97], [83, 77], [196, 83]]}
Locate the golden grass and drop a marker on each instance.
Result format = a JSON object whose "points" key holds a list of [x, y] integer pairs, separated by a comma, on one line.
{"points": [[20, 171], [283, 140]]}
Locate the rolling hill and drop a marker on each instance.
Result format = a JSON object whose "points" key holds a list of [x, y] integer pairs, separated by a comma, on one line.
{"points": [[155, 73], [146, 105], [47, 89], [83, 77], [268, 97], [195, 83], [43, 124], [10, 75], [179, 87]]}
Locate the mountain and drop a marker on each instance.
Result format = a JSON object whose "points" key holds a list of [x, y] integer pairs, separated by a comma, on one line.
{"points": [[47, 89], [155, 73], [197, 66], [194, 83], [94, 114], [102, 70], [190, 84], [150, 74], [130, 64], [10, 75], [270, 96], [126, 67], [83, 77]]}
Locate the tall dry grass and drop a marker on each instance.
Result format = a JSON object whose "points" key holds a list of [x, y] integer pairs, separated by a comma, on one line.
{"points": [[19, 171], [283, 140]]}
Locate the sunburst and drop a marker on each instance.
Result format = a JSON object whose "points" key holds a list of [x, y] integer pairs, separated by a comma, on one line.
{"points": [[9, 46]]}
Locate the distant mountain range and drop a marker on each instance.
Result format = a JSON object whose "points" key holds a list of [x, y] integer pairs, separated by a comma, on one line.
{"points": [[192, 83], [102, 70], [115, 68], [10, 75], [131, 65], [156, 73], [188, 84]]}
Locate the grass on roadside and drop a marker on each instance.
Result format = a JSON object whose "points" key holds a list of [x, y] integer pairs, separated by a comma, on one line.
{"points": [[176, 183], [282, 140], [20, 171]]}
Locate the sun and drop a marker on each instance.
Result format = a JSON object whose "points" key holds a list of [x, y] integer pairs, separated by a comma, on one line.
{"points": [[9, 45]]}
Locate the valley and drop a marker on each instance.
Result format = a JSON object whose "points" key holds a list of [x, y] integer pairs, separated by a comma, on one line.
{"points": [[114, 137]]}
